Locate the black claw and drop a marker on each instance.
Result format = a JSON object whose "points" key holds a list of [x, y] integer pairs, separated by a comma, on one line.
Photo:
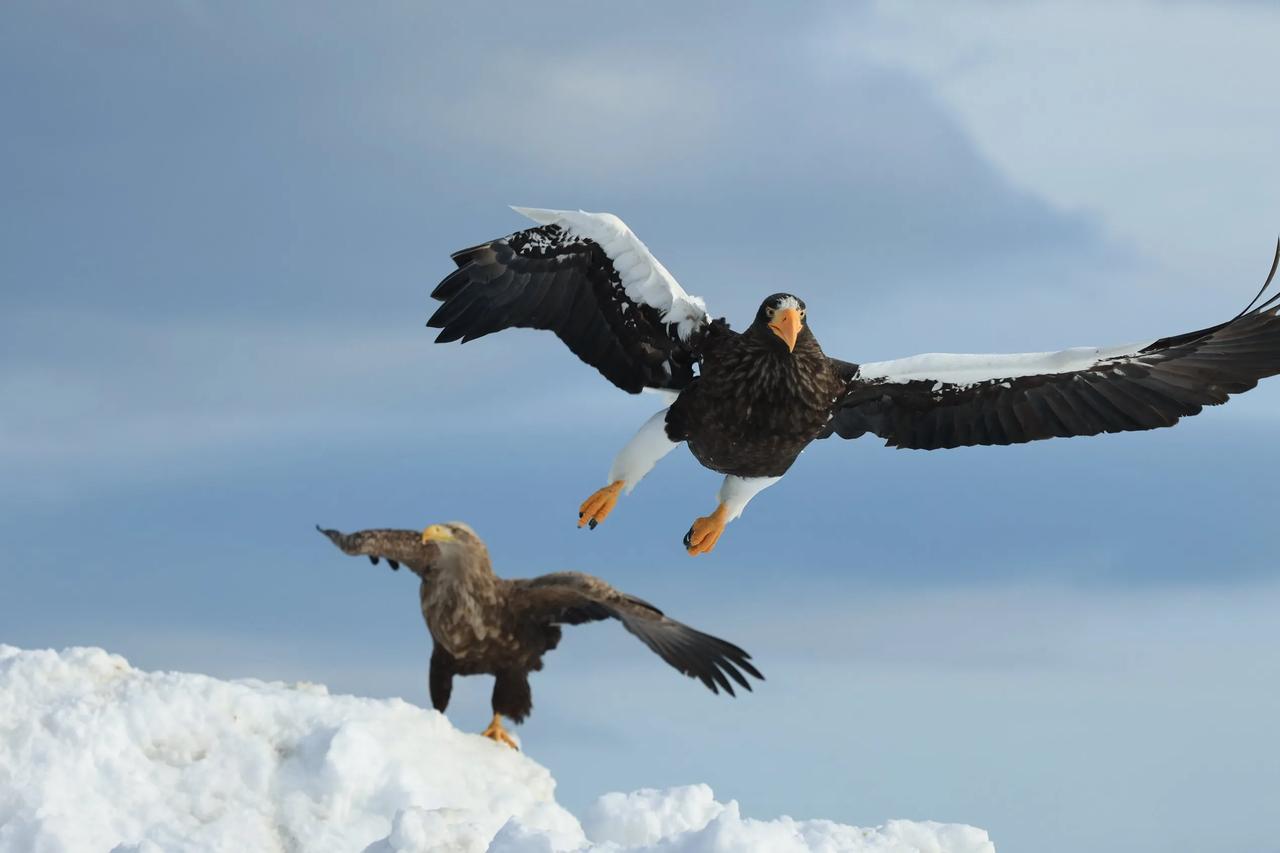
{"points": [[592, 524], [395, 567], [579, 515], [373, 559], [688, 538]]}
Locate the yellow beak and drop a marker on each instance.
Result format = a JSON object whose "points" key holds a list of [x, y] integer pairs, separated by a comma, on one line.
{"points": [[786, 325], [436, 533]]}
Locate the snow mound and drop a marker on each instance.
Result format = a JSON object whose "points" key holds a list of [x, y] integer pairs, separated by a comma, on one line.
{"points": [[96, 756]]}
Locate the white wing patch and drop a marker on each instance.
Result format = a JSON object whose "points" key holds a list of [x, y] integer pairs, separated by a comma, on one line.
{"points": [[974, 369], [644, 278]]}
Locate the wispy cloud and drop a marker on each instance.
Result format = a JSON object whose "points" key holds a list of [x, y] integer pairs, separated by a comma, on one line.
{"points": [[1152, 116], [109, 390]]}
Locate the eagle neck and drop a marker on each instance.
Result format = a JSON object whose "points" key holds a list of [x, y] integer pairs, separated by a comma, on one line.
{"points": [[462, 601]]}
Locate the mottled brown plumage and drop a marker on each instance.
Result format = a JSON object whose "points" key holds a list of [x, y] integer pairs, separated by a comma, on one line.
{"points": [[483, 624]]}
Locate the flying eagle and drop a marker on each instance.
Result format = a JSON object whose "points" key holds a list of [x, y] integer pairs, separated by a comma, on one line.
{"points": [[482, 624], [757, 398]]}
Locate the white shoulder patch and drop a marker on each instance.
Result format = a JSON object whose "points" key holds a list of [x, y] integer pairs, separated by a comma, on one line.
{"points": [[972, 369], [644, 279]]}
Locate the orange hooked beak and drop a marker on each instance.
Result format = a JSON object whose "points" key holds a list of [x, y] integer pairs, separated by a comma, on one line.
{"points": [[786, 325]]}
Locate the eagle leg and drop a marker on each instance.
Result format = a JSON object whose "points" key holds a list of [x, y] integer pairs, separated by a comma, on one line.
{"points": [[497, 733], [706, 531], [635, 460], [735, 493], [596, 508]]}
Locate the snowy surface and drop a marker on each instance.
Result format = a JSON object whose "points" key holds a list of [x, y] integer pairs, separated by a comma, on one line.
{"points": [[98, 756]]}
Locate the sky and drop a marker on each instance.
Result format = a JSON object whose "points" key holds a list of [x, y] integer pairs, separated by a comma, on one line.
{"points": [[222, 225]]}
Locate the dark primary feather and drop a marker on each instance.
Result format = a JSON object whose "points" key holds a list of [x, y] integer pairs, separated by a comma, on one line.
{"points": [[394, 546], [1174, 377], [542, 278], [573, 598]]}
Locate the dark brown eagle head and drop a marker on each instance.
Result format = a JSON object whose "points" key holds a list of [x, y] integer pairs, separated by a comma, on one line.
{"points": [[459, 547], [781, 319]]}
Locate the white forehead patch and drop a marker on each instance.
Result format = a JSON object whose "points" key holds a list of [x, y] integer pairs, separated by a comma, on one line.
{"points": [[788, 302]]}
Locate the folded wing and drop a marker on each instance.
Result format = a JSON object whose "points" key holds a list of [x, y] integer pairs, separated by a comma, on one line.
{"points": [[589, 279], [941, 401], [572, 598]]}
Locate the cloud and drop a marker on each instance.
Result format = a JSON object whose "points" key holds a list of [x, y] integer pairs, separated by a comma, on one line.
{"points": [[591, 114], [1151, 116], [744, 158], [129, 397]]}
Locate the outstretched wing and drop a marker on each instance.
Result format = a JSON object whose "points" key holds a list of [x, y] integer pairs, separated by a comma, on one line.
{"points": [[394, 546], [572, 598], [589, 279], [941, 401]]}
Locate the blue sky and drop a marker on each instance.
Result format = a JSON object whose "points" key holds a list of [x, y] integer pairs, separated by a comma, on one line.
{"points": [[223, 222]]}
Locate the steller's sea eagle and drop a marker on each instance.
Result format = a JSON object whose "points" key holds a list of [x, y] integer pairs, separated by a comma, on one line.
{"points": [[759, 397], [482, 624]]}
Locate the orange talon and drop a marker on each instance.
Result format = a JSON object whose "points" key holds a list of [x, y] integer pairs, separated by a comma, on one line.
{"points": [[596, 508], [706, 532], [496, 732]]}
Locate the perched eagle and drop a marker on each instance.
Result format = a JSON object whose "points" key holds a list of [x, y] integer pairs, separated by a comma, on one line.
{"points": [[482, 624], [757, 398]]}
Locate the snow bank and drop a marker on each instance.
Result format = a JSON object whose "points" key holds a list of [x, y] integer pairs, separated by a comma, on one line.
{"points": [[98, 756]]}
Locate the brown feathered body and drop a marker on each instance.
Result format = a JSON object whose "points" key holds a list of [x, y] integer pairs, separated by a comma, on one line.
{"points": [[755, 404], [481, 624], [468, 611]]}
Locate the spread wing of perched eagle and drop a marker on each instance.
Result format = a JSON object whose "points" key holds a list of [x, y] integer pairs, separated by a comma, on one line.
{"points": [[483, 624], [748, 403]]}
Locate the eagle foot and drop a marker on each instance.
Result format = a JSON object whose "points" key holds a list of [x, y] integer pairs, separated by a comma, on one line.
{"points": [[706, 532], [496, 732], [596, 508]]}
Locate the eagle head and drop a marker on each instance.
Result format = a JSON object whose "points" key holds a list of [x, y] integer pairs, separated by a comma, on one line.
{"points": [[784, 316]]}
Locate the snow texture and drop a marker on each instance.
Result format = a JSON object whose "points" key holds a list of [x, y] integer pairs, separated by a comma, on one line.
{"points": [[972, 369], [643, 276], [98, 756]]}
